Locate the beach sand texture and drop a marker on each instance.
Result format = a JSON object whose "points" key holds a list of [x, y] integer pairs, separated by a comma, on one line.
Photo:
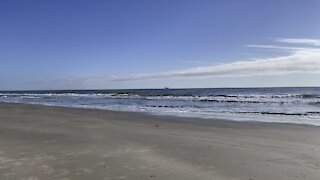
{"points": [[44, 143]]}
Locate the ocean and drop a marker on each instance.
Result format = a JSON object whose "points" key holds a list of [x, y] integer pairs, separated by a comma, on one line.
{"points": [[285, 105]]}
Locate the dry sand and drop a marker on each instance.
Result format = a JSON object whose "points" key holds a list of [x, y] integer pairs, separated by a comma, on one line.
{"points": [[44, 143]]}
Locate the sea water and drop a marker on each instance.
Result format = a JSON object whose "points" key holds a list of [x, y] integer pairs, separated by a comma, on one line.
{"points": [[286, 105]]}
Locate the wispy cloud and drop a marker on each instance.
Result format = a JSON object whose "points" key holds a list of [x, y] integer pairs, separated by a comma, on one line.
{"points": [[300, 59], [312, 42], [277, 47]]}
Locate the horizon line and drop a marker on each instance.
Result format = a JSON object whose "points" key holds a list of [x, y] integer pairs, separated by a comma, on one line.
{"points": [[164, 88]]}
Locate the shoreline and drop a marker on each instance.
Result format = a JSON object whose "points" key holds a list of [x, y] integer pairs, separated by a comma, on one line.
{"points": [[176, 117], [46, 142]]}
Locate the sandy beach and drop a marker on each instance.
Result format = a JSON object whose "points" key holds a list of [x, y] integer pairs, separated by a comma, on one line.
{"points": [[44, 143]]}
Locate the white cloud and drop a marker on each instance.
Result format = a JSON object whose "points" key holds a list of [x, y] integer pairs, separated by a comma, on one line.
{"points": [[300, 60], [312, 42], [278, 47]]}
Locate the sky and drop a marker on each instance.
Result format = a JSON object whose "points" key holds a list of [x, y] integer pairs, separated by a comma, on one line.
{"points": [[121, 44]]}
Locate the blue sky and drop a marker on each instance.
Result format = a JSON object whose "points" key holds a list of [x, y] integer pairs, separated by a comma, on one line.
{"points": [[74, 44]]}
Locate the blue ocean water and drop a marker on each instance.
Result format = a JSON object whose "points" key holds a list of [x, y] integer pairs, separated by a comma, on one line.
{"points": [[287, 105]]}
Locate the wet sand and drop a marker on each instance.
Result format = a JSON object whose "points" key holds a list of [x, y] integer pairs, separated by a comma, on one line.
{"points": [[44, 143]]}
